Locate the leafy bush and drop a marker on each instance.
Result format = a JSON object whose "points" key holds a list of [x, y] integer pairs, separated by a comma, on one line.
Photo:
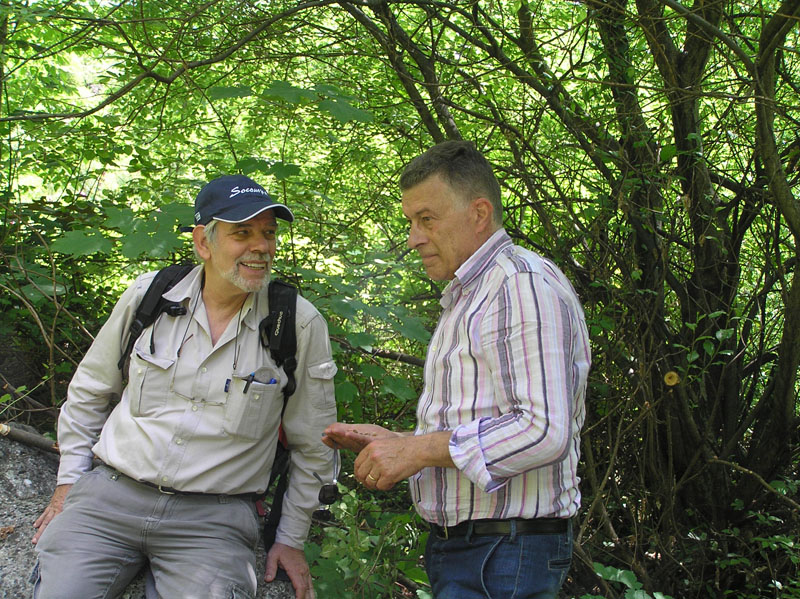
{"points": [[367, 550], [627, 579]]}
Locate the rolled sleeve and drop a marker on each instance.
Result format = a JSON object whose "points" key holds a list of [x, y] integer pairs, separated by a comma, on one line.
{"points": [[469, 457]]}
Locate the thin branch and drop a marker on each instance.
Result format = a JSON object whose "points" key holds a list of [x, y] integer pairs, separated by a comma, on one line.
{"points": [[692, 16], [761, 481], [150, 73], [32, 439], [382, 353]]}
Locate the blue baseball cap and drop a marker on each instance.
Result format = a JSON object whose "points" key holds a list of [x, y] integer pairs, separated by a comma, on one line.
{"points": [[234, 199]]}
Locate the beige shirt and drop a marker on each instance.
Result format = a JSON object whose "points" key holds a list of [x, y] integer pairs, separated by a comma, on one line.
{"points": [[185, 421]]}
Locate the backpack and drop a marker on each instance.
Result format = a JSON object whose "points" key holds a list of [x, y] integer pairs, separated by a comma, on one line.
{"points": [[277, 334]]}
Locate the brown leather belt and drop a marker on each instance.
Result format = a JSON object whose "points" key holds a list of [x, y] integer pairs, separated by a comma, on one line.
{"points": [[502, 527]]}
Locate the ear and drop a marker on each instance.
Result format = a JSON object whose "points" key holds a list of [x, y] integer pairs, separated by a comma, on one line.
{"points": [[201, 242], [483, 212]]}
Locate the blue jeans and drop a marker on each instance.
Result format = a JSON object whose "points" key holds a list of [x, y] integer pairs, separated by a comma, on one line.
{"points": [[521, 566]]}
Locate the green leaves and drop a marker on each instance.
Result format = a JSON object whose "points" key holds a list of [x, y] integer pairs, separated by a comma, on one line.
{"points": [[82, 243], [154, 235], [343, 111], [412, 328], [326, 98], [219, 93], [362, 557], [628, 579], [279, 170], [283, 90]]}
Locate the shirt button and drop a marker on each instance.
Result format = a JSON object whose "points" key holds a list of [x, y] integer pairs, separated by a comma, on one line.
{"points": [[194, 408], [178, 441], [164, 479], [257, 396], [204, 369]]}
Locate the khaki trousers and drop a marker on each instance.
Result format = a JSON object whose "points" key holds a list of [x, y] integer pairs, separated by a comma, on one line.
{"points": [[197, 546]]}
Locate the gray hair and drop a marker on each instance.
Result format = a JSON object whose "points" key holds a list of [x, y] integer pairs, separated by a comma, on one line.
{"points": [[462, 167], [211, 236]]}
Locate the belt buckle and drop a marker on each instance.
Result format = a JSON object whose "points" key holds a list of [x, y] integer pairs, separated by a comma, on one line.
{"points": [[164, 491]]}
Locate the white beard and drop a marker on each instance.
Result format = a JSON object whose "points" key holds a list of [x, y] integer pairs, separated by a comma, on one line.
{"points": [[246, 285]]}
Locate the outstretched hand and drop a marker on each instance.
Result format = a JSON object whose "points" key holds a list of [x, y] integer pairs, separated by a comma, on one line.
{"points": [[355, 437], [386, 457], [385, 462]]}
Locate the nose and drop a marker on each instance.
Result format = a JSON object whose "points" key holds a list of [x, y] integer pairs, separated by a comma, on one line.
{"points": [[262, 245], [415, 237]]}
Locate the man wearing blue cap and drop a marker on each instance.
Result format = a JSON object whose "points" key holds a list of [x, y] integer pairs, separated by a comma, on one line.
{"points": [[191, 440]]}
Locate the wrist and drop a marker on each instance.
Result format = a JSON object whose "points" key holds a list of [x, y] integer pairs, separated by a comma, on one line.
{"points": [[433, 449]]}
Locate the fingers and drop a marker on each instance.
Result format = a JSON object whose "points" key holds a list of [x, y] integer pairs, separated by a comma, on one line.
{"points": [[353, 436], [51, 511], [378, 483], [370, 474], [41, 519], [271, 569], [303, 587], [41, 523], [294, 563], [330, 442]]}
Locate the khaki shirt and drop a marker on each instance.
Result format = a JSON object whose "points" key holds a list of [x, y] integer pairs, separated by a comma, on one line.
{"points": [[187, 418]]}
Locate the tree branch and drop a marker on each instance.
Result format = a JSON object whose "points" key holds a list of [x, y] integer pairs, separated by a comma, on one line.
{"points": [[151, 73], [761, 481], [382, 353], [32, 439]]}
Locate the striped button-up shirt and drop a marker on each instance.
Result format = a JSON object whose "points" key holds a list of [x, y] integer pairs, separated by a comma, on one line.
{"points": [[506, 371]]}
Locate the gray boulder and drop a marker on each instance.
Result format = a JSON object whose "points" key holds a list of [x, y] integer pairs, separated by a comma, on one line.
{"points": [[27, 479]]}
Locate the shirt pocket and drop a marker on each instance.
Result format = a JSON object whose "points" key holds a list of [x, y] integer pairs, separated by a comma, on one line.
{"points": [[320, 378], [148, 383], [249, 415]]}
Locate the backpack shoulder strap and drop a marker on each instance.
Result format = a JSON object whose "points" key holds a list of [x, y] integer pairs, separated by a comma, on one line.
{"points": [[153, 304], [278, 334]]}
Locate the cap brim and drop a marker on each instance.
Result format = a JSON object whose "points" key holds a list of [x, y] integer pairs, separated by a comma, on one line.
{"points": [[243, 212]]}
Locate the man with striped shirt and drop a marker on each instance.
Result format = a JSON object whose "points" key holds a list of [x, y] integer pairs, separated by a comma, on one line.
{"points": [[492, 463]]}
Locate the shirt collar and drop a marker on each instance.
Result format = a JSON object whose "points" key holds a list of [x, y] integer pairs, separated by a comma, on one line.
{"points": [[483, 258], [187, 286], [477, 264], [190, 285]]}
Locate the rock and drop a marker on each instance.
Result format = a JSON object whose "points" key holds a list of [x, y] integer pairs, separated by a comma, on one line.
{"points": [[27, 479]]}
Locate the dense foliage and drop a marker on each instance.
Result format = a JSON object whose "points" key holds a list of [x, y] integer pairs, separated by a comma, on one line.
{"points": [[649, 147]]}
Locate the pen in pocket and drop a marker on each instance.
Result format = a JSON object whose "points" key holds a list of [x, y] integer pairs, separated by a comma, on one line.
{"points": [[252, 377]]}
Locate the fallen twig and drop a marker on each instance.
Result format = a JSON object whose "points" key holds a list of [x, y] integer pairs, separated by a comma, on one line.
{"points": [[32, 439]]}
